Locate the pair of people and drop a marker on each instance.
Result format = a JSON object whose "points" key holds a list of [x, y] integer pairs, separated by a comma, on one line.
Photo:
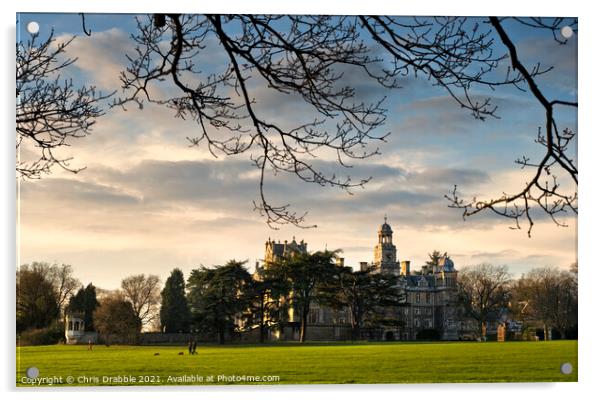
{"points": [[192, 347]]}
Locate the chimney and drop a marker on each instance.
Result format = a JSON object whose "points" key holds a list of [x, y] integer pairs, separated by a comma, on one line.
{"points": [[363, 266], [405, 268], [340, 262]]}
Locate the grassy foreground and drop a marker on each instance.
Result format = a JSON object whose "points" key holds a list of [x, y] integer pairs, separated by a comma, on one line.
{"points": [[299, 364]]}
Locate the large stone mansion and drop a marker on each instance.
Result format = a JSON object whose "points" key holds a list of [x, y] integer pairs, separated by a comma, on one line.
{"points": [[430, 307]]}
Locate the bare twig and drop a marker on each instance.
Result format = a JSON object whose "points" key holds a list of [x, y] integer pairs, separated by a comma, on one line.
{"points": [[543, 188], [50, 111]]}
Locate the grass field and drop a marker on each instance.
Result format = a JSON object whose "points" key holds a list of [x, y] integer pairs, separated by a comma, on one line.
{"points": [[302, 364]]}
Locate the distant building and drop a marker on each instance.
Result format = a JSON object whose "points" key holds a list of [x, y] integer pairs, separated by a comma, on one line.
{"points": [[276, 251], [385, 252], [75, 332], [429, 312]]}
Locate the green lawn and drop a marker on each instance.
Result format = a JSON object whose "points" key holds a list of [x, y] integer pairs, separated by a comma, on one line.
{"points": [[308, 363]]}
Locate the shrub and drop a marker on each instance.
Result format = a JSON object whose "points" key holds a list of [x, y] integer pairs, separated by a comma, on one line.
{"points": [[37, 337], [428, 334]]}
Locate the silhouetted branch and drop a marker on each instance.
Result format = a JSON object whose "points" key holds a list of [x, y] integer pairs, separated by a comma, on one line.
{"points": [[554, 25], [86, 31], [543, 188], [50, 111], [304, 56], [299, 60]]}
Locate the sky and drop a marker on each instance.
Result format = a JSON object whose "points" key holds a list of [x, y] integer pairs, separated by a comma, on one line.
{"points": [[147, 202]]}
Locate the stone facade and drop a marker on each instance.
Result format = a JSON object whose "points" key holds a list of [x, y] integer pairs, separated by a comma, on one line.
{"points": [[429, 312], [276, 251]]}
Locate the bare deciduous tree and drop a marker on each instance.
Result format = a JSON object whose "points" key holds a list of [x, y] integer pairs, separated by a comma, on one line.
{"points": [[288, 54], [65, 284], [483, 289], [549, 299], [144, 294]]}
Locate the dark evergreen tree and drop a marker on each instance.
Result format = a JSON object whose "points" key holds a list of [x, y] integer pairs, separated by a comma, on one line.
{"points": [[433, 261], [175, 314], [300, 277], [265, 307], [217, 295], [85, 303]]}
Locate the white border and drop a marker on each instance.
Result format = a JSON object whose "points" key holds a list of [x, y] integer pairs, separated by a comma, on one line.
{"points": [[589, 154]]}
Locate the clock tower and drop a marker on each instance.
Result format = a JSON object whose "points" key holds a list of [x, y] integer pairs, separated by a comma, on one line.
{"points": [[385, 252]]}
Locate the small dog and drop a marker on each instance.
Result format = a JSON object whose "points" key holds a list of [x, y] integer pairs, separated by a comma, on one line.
{"points": [[181, 353], [156, 354]]}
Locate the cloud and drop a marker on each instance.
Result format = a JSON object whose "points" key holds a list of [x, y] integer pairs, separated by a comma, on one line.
{"points": [[75, 192], [440, 114], [227, 188], [544, 50], [505, 253], [196, 182], [100, 56], [446, 176]]}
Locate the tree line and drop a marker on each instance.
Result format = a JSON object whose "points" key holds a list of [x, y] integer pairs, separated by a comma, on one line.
{"points": [[220, 302]]}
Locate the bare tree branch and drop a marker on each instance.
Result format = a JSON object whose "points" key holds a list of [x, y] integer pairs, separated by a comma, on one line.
{"points": [[300, 60], [50, 111], [302, 56], [86, 31], [543, 188]]}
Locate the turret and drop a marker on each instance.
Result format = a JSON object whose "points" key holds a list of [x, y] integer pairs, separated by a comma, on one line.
{"points": [[385, 252]]}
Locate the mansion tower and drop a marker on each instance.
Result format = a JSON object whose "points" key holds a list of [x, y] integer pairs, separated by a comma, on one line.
{"points": [[385, 252]]}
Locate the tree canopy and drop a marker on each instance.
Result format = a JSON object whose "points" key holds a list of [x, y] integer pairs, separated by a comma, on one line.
{"points": [[143, 293], [37, 300], [85, 302], [547, 297], [174, 314], [300, 276], [362, 293], [484, 289], [217, 296], [116, 320]]}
